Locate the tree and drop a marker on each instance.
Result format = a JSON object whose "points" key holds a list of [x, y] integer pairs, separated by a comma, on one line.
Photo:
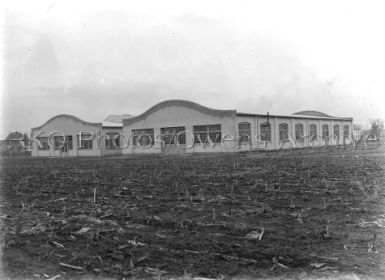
{"points": [[376, 125]]}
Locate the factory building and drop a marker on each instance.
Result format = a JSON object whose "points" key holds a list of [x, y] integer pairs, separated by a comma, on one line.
{"points": [[179, 126], [66, 135]]}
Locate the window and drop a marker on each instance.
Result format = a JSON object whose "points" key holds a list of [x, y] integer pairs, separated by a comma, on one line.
{"points": [[215, 134], [84, 143], [265, 129], [143, 137], [336, 131], [69, 142], [283, 131], [346, 131], [244, 131], [313, 131], [112, 140], [200, 133], [206, 132], [170, 134], [299, 131], [325, 131], [181, 136], [44, 143], [58, 142]]}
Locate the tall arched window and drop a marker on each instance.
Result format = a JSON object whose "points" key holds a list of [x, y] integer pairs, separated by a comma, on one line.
{"points": [[313, 130], [244, 132], [283, 131], [265, 130], [325, 131], [299, 131], [346, 131], [336, 131]]}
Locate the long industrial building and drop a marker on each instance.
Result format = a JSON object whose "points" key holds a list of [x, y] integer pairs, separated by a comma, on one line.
{"points": [[179, 126]]}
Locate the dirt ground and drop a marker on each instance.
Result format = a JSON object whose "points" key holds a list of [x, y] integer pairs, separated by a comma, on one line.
{"points": [[288, 215]]}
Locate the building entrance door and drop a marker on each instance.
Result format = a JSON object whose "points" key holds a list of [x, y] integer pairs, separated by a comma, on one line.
{"points": [[64, 149], [67, 145]]}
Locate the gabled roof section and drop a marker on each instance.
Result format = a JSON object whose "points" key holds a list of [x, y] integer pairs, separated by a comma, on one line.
{"points": [[70, 117], [117, 118], [115, 121], [112, 125], [181, 103]]}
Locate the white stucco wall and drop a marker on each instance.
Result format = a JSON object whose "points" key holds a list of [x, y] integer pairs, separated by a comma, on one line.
{"points": [[187, 114], [176, 116], [275, 143]]}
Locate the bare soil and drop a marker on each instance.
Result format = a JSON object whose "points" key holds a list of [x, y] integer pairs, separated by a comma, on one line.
{"points": [[278, 216]]}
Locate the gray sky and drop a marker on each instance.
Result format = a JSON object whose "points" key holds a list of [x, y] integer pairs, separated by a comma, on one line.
{"points": [[92, 59]]}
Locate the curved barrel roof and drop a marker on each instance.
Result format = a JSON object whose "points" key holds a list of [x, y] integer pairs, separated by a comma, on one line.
{"points": [[313, 114], [68, 117], [181, 103]]}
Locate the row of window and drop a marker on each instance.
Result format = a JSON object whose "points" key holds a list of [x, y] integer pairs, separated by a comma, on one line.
{"points": [[244, 130], [177, 135], [66, 143], [202, 133]]}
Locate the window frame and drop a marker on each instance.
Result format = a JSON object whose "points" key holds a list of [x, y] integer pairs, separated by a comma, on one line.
{"points": [[282, 131], [337, 135], [244, 131], [265, 134], [325, 132], [313, 131], [207, 131], [173, 135], [58, 142], [143, 132], [302, 131], [85, 144], [44, 142], [69, 141], [346, 131]]}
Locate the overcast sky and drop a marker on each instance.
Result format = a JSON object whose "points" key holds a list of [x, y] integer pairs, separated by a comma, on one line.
{"points": [[92, 60]]}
